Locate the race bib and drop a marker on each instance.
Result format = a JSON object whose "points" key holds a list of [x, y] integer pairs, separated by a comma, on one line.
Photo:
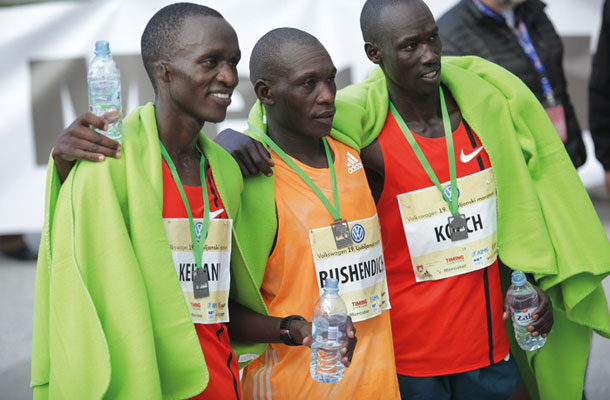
{"points": [[216, 260], [360, 267], [424, 216]]}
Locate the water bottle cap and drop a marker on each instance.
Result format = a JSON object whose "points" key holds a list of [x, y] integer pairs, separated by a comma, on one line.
{"points": [[518, 278], [102, 48], [331, 284]]}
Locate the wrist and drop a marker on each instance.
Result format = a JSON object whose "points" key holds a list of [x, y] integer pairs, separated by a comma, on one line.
{"points": [[285, 336]]}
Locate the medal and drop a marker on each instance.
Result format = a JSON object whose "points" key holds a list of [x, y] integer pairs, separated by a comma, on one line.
{"points": [[340, 230], [200, 283], [457, 221], [457, 227]]}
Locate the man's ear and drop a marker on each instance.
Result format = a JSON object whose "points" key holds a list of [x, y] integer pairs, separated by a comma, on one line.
{"points": [[372, 52], [264, 91], [163, 70]]}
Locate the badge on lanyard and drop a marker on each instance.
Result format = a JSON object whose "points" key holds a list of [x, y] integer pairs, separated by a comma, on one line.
{"points": [[457, 227], [457, 221], [200, 283], [200, 276], [341, 233]]}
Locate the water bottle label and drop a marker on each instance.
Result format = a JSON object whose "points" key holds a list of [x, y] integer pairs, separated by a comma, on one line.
{"points": [[333, 333], [524, 316]]}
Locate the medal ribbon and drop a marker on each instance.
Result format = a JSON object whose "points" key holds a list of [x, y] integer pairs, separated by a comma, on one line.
{"points": [[453, 203], [198, 245], [335, 210]]}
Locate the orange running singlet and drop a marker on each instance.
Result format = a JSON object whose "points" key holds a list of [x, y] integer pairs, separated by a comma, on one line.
{"points": [[290, 287]]}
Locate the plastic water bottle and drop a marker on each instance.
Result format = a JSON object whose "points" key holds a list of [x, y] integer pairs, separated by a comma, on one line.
{"points": [[522, 299], [104, 81], [329, 325]]}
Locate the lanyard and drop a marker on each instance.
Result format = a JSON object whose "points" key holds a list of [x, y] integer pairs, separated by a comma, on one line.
{"points": [[335, 210], [198, 245], [527, 45], [453, 201]]}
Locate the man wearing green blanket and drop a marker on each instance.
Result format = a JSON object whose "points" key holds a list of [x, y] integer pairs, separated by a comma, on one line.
{"points": [[122, 250], [117, 260], [521, 203]]}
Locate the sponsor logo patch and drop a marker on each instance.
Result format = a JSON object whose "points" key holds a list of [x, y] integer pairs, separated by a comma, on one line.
{"points": [[353, 164]]}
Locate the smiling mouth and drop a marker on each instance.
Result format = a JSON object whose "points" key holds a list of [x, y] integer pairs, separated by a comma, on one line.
{"points": [[430, 75], [223, 96]]}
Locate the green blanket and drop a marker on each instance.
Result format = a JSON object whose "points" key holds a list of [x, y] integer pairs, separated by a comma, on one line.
{"points": [[110, 318], [547, 225]]}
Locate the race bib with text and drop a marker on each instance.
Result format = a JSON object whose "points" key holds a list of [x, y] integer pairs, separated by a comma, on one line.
{"points": [[216, 261], [360, 268], [425, 214]]}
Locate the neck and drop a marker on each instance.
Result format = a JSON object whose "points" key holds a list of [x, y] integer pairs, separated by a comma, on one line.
{"points": [[420, 112], [308, 150], [177, 132]]}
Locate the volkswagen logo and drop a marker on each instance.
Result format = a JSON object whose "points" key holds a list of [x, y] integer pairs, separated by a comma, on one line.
{"points": [[357, 233]]}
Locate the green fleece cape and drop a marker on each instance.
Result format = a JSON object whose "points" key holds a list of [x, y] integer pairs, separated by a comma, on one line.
{"points": [[256, 220], [110, 319], [547, 225]]}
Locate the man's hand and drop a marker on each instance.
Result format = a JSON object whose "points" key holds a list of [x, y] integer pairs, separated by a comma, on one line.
{"points": [[542, 316], [251, 155], [300, 331], [80, 141], [607, 179]]}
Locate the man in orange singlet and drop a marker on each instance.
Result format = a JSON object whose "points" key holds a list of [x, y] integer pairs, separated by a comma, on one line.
{"points": [[294, 79]]}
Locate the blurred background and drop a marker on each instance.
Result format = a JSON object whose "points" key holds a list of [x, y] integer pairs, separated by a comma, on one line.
{"points": [[45, 48]]}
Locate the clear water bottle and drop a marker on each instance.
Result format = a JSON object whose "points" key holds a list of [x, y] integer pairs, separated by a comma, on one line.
{"points": [[104, 81], [328, 331], [522, 299]]}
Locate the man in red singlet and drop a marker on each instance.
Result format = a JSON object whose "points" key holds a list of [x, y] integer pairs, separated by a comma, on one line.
{"points": [[464, 353], [190, 53]]}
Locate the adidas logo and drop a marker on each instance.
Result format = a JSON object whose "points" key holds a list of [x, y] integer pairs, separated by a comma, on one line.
{"points": [[353, 164]]}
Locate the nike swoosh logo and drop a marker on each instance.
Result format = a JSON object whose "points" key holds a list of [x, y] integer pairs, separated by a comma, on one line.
{"points": [[216, 213], [466, 158]]}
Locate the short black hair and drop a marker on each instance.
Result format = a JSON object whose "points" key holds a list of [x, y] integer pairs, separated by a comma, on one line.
{"points": [[163, 29], [370, 18], [265, 61]]}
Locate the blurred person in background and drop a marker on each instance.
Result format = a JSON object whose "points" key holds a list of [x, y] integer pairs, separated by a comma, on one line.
{"points": [[518, 35], [599, 96], [15, 247]]}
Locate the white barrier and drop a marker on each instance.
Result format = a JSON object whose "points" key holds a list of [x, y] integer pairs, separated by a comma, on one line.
{"points": [[44, 50]]}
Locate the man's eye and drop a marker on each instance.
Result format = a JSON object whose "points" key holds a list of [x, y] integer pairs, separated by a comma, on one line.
{"points": [[209, 62]]}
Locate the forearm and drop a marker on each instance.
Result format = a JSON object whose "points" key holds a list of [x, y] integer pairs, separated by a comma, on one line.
{"points": [[249, 326]]}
